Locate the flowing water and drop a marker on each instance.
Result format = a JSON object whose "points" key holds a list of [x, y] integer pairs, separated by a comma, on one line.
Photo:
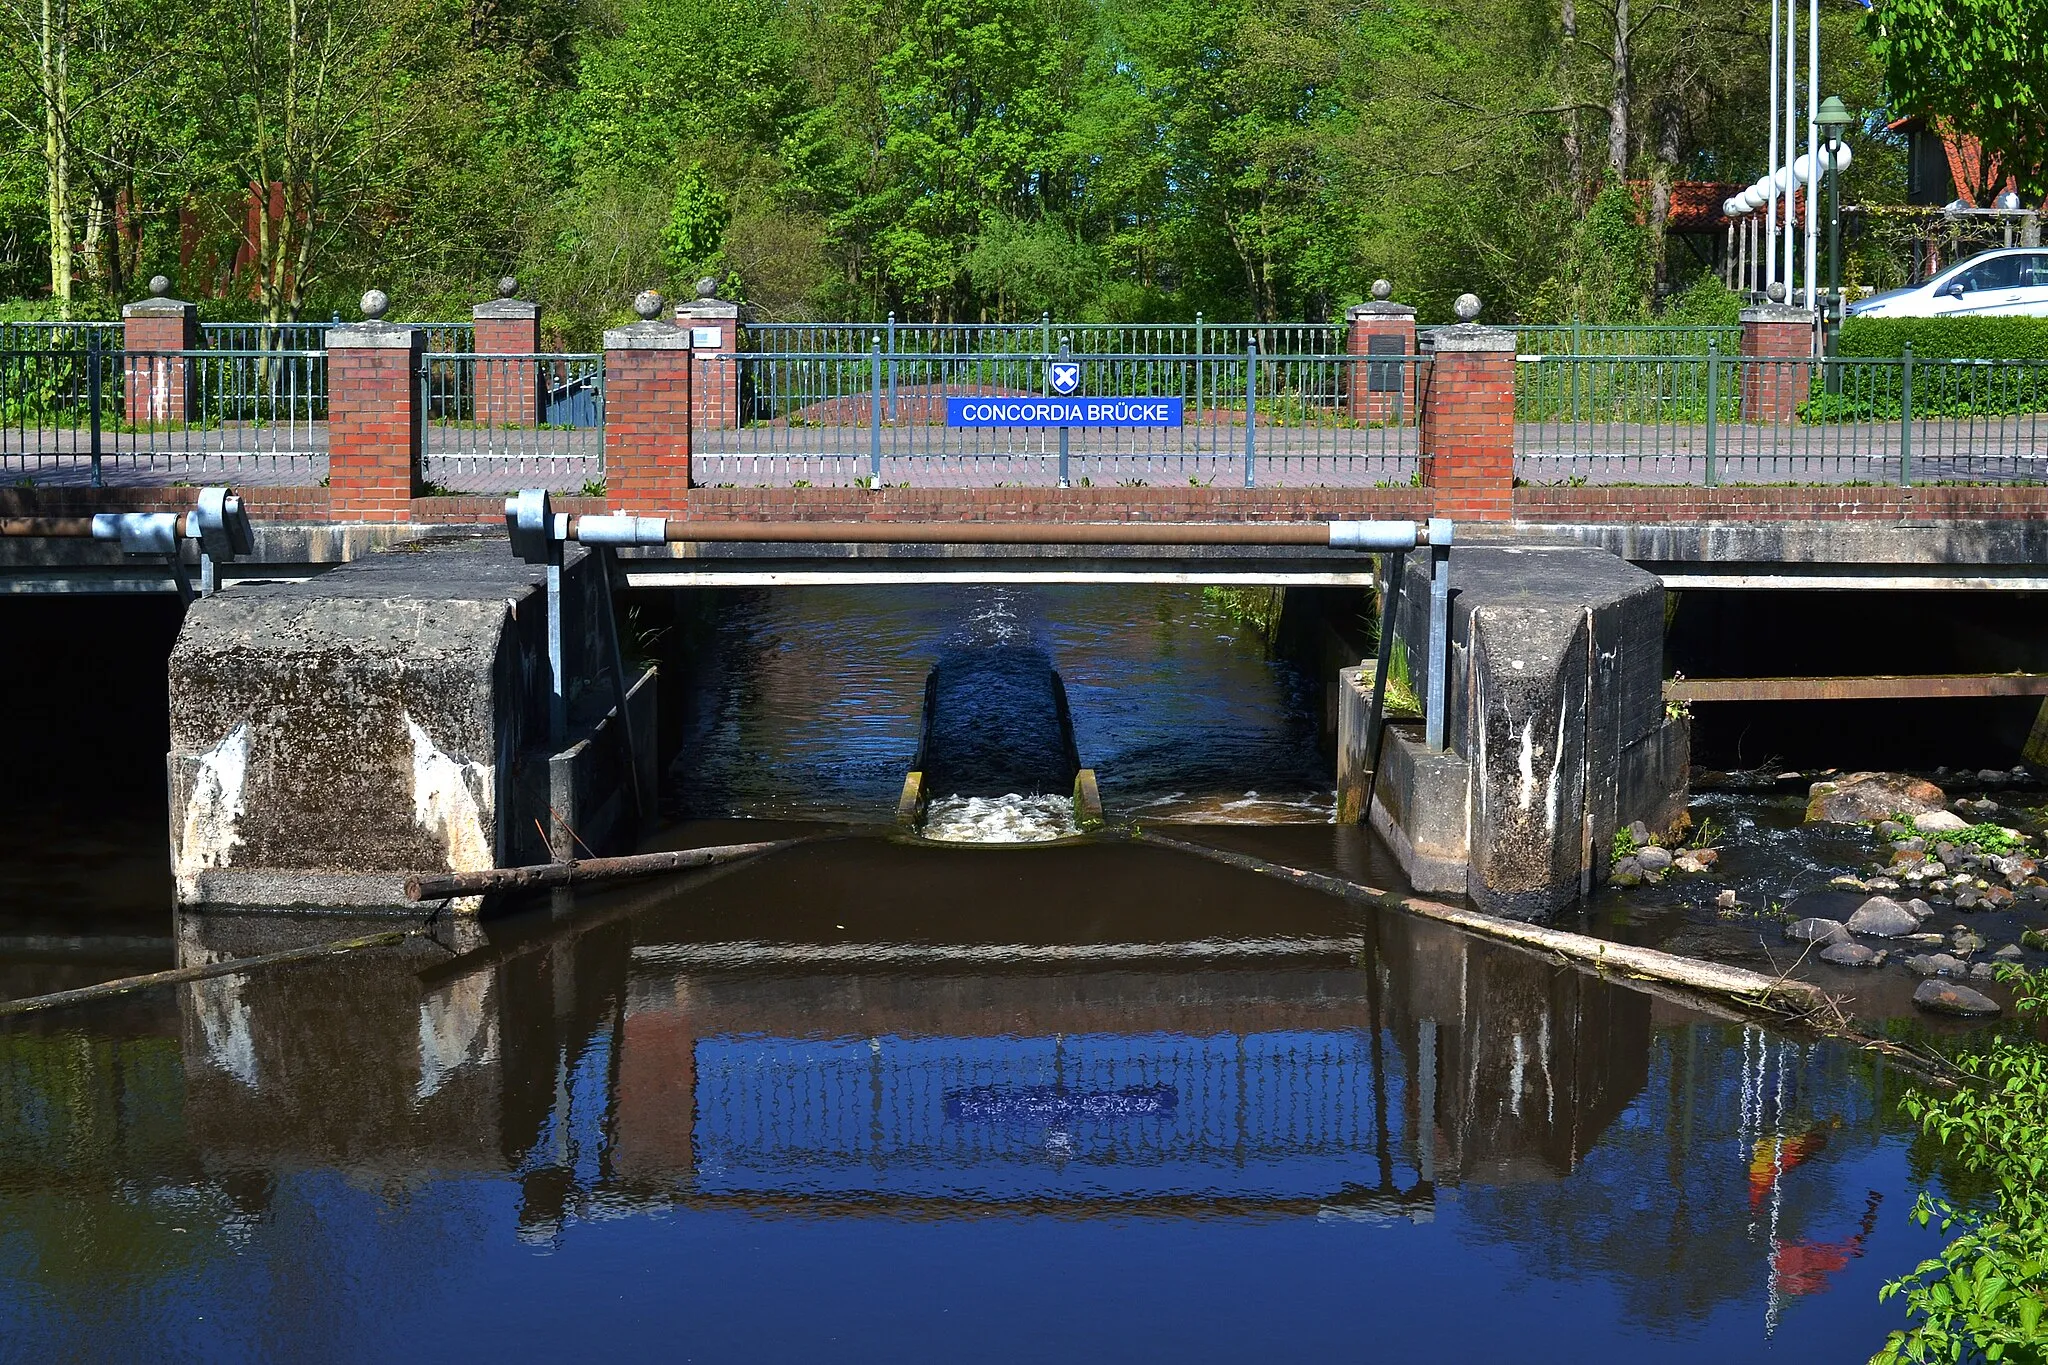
{"points": [[882, 1098]]}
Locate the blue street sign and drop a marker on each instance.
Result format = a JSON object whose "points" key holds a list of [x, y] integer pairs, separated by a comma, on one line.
{"points": [[1066, 377], [1063, 412]]}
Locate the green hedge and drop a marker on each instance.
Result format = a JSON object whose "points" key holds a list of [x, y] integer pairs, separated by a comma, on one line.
{"points": [[1945, 338]]}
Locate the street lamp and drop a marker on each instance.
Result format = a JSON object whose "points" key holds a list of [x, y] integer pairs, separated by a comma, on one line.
{"points": [[1832, 118]]}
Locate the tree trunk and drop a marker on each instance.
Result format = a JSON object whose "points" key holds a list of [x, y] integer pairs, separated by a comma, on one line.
{"points": [[1574, 150], [56, 79], [1660, 191], [1621, 94]]}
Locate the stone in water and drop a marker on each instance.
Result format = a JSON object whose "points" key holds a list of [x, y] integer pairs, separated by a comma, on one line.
{"points": [[1946, 997], [1883, 917]]}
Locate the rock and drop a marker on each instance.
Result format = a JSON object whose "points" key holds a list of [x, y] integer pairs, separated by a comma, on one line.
{"points": [[1918, 908], [1983, 971], [1939, 822], [1726, 901], [1997, 897], [1891, 829], [1814, 930], [1946, 997], [1931, 940], [1964, 942], [1914, 845], [1707, 856], [1936, 964], [1881, 884], [1882, 917], [1858, 797], [1624, 879], [1990, 777], [1685, 862], [2037, 939], [2011, 952], [1848, 883], [1907, 859], [1639, 832], [1967, 898], [1851, 955], [1653, 858]]}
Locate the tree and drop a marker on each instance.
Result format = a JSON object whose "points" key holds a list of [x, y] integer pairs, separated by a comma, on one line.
{"points": [[1980, 66]]}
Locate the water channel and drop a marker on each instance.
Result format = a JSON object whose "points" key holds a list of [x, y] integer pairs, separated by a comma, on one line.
{"points": [[882, 1099]]}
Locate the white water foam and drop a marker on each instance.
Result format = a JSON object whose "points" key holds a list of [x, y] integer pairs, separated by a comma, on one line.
{"points": [[1008, 819]]}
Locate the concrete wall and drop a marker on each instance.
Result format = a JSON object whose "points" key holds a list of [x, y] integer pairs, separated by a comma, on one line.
{"points": [[332, 737], [1555, 716]]}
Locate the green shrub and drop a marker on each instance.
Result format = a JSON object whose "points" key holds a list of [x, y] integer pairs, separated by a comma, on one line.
{"points": [[1984, 838], [1985, 1296], [1965, 338]]}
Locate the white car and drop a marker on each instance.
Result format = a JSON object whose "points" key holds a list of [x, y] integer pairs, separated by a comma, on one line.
{"points": [[2007, 283]]}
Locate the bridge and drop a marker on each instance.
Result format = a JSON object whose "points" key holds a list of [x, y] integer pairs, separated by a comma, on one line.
{"points": [[490, 715]]}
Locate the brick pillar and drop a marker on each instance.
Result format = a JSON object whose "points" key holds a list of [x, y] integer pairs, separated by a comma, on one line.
{"points": [[647, 404], [509, 393], [1381, 393], [159, 388], [373, 428], [714, 327], [1467, 437], [1777, 343]]}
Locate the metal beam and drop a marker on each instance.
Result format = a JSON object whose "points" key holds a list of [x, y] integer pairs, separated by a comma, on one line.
{"points": [[644, 573], [1934, 580], [1883, 688]]}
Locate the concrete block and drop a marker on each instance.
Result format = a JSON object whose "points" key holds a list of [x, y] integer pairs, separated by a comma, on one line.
{"points": [[1422, 809], [332, 737], [1555, 700]]}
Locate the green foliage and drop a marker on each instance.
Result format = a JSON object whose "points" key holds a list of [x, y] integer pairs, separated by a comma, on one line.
{"points": [[697, 220], [1985, 1296], [1985, 838], [948, 160], [1706, 302], [1980, 66], [1624, 846], [1976, 338]]}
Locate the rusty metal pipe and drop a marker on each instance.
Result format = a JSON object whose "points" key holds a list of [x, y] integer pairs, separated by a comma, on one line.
{"points": [[997, 533], [54, 528]]}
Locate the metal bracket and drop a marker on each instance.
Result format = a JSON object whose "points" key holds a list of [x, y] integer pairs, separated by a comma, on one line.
{"points": [[1433, 706], [530, 522]]}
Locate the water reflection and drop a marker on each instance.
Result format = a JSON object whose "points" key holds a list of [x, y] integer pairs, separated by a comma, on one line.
{"points": [[783, 1040]]}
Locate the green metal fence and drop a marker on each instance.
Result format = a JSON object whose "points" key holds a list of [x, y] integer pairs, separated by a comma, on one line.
{"points": [[1717, 418]]}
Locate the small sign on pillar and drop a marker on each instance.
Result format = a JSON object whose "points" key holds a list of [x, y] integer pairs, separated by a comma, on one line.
{"points": [[713, 327]]}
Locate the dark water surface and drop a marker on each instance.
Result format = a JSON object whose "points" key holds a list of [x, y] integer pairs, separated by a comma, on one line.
{"points": [[877, 1101], [880, 1100]]}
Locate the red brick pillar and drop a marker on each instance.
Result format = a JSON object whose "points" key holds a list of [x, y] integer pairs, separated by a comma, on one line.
{"points": [[647, 392], [1777, 350], [158, 387], [714, 327], [373, 428], [509, 393], [1467, 440], [1382, 392]]}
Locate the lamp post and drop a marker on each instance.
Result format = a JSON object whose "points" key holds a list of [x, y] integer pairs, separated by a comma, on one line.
{"points": [[1832, 118]]}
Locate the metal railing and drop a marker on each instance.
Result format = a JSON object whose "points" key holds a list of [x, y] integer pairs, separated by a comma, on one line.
{"points": [[97, 416], [1247, 418], [1645, 339], [219, 336], [1280, 1111], [1715, 418], [493, 423]]}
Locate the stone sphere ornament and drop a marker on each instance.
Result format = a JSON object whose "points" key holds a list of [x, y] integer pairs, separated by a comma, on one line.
{"points": [[1467, 307], [1383, 290], [1776, 291], [375, 302], [159, 285], [648, 305], [507, 287], [707, 288]]}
